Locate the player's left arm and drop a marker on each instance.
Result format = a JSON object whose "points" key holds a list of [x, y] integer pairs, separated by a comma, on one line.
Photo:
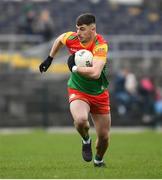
{"points": [[99, 61]]}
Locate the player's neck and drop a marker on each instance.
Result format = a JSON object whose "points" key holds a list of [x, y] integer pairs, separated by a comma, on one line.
{"points": [[89, 42]]}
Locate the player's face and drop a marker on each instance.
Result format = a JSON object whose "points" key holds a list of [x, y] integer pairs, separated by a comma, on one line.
{"points": [[85, 33]]}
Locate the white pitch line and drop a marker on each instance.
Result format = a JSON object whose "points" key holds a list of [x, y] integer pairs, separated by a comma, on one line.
{"points": [[73, 130]]}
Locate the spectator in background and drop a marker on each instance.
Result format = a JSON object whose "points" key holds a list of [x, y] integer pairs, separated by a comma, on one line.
{"points": [[131, 87], [131, 83], [45, 25], [125, 91]]}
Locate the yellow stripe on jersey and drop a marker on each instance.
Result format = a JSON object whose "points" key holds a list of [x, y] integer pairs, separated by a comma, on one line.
{"points": [[100, 52], [99, 58], [67, 34]]}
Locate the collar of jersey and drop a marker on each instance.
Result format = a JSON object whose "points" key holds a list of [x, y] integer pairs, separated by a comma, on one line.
{"points": [[88, 44]]}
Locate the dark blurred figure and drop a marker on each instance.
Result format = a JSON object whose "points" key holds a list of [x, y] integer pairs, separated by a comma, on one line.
{"points": [[147, 92], [153, 5], [27, 23], [158, 108], [119, 93]]}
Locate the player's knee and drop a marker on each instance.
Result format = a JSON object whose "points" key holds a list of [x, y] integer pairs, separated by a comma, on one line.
{"points": [[81, 121]]}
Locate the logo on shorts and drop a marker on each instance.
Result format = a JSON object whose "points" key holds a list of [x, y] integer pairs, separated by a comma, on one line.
{"points": [[72, 96], [102, 88]]}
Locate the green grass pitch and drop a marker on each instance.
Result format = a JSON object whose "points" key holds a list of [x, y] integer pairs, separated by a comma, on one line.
{"points": [[58, 155]]}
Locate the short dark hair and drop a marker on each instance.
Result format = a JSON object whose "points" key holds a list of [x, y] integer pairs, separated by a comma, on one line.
{"points": [[86, 18]]}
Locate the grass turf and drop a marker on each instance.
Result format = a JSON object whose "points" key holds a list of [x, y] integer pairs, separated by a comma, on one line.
{"points": [[43, 155]]}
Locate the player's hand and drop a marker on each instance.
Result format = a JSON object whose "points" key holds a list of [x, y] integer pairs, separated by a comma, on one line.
{"points": [[45, 64], [71, 61]]}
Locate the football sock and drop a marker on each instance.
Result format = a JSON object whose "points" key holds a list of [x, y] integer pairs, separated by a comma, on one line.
{"points": [[98, 162], [98, 159], [86, 139]]}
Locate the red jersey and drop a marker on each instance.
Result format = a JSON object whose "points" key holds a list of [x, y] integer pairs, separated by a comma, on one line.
{"points": [[98, 47]]}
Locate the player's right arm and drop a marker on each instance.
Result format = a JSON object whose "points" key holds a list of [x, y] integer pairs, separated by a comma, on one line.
{"points": [[57, 45]]}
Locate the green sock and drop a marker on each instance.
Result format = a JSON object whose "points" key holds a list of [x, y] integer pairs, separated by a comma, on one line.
{"points": [[86, 137], [98, 158]]}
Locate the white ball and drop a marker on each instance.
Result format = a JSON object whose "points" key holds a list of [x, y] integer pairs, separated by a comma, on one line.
{"points": [[83, 58]]}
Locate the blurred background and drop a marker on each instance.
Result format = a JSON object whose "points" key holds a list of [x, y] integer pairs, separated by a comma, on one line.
{"points": [[133, 29]]}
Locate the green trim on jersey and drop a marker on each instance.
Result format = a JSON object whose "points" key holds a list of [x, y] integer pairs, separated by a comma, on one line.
{"points": [[87, 85], [71, 37], [97, 42]]}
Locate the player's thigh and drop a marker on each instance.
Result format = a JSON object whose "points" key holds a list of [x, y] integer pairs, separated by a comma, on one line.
{"points": [[102, 123], [79, 110]]}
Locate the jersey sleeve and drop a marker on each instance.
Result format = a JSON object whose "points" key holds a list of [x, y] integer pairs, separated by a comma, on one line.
{"points": [[66, 36], [100, 52]]}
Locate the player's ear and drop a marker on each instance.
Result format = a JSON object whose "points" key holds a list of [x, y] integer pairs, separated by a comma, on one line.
{"points": [[93, 27]]}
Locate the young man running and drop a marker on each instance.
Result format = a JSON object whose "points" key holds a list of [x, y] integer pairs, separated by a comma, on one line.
{"points": [[87, 86]]}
